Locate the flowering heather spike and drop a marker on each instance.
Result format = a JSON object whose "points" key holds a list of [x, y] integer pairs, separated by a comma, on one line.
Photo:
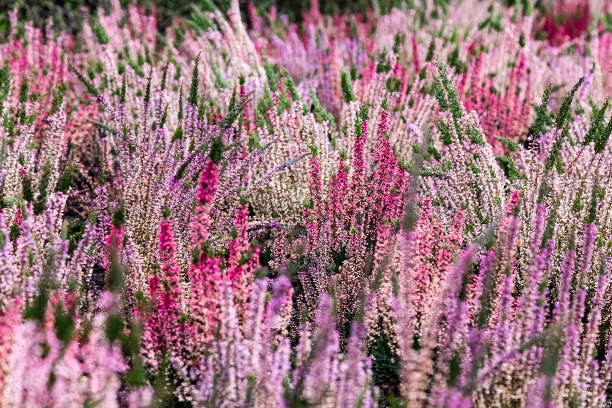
{"points": [[207, 183]]}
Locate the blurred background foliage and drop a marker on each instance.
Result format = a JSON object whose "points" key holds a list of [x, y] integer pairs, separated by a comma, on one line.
{"points": [[68, 15]]}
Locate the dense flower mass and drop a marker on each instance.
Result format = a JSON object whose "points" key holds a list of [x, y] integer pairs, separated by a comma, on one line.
{"points": [[408, 206]]}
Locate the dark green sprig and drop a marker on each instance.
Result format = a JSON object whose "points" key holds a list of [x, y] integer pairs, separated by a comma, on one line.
{"points": [[63, 323], [58, 97], [602, 140], [147, 95], [271, 75], [320, 112], [475, 136], [564, 111], [118, 218], [364, 111], [549, 229], [37, 309], [123, 86], [509, 143], [180, 112], [393, 84], [67, 178], [178, 133], [597, 123], [234, 112], [445, 132], [5, 84], [91, 89], [554, 157], [100, 32], [592, 216], [398, 40], [453, 98], [162, 121], [509, 168], [41, 201], [23, 91], [164, 76], [347, 89], [438, 91], [430, 51], [455, 62], [104, 127], [384, 65], [193, 94], [292, 90], [216, 150], [542, 118]]}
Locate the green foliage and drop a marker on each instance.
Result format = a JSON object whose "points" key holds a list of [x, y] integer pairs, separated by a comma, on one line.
{"points": [[91, 89], [216, 150], [164, 76], [453, 98], [445, 132], [592, 216], [393, 84], [41, 201], [347, 89], [271, 75], [67, 178], [58, 97], [26, 188], [99, 32], [234, 112], [430, 51], [384, 64], [385, 366], [509, 143], [475, 136], [147, 95], [23, 91], [454, 61], [63, 323], [193, 93], [36, 310], [319, 111], [118, 218], [439, 93], [599, 131], [542, 118], [292, 90], [114, 327], [564, 111], [5, 84], [509, 168]]}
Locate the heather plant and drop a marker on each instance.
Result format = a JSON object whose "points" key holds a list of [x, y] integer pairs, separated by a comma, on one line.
{"points": [[406, 206]]}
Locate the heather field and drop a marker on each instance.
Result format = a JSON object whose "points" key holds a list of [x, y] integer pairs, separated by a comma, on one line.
{"points": [[241, 204]]}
